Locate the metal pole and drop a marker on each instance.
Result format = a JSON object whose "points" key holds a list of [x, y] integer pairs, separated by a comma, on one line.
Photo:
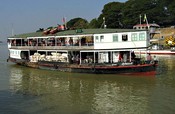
{"points": [[94, 57], [80, 57]]}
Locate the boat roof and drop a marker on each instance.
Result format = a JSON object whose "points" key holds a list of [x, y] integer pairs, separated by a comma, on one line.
{"points": [[74, 32], [145, 25]]}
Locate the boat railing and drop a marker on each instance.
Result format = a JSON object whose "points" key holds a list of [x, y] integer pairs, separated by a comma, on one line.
{"points": [[52, 47]]}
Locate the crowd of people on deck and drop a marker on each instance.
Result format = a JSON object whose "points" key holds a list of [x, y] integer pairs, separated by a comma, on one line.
{"points": [[51, 42], [123, 57]]}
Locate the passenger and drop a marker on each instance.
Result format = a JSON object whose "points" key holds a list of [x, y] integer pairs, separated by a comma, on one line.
{"points": [[155, 59], [73, 59], [133, 55], [120, 57], [148, 58], [77, 59], [125, 57]]}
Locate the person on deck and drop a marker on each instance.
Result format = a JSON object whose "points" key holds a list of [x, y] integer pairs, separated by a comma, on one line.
{"points": [[148, 58], [120, 57], [133, 55], [155, 59], [125, 57]]}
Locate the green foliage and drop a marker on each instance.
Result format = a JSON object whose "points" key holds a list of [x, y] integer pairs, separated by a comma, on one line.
{"points": [[94, 23], [158, 11], [49, 27], [112, 13], [40, 30], [77, 23], [125, 15]]}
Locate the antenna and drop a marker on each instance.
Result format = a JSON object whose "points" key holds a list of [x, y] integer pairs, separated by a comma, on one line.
{"points": [[140, 19]]}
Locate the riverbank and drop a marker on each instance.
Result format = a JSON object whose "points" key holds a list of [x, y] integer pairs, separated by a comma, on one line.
{"points": [[162, 35]]}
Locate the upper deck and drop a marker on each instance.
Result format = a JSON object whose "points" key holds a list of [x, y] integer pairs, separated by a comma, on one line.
{"points": [[83, 39]]}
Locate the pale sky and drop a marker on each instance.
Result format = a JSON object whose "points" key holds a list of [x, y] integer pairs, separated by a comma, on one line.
{"points": [[29, 15]]}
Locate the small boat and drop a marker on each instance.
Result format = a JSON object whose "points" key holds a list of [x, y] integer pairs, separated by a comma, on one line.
{"points": [[100, 51]]}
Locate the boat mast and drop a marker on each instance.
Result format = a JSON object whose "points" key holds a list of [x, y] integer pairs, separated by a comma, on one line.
{"points": [[104, 23], [140, 19]]}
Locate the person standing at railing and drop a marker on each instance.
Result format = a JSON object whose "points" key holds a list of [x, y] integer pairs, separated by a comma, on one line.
{"points": [[148, 58], [155, 59], [133, 56]]}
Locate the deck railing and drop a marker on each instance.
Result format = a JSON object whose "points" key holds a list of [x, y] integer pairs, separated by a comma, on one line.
{"points": [[52, 47]]}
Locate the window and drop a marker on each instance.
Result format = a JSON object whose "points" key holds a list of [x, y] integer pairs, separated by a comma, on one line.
{"points": [[142, 36], [134, 37], [115, 38], [124, 37], [101, 38], [96, 39]]}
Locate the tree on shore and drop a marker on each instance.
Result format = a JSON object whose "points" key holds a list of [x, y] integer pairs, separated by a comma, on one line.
{"points": [[94, 23], [77, 23], [125, 15]]}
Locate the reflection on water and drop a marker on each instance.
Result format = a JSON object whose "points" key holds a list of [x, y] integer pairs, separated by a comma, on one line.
{"points": [[82, 93], [16, 79]]}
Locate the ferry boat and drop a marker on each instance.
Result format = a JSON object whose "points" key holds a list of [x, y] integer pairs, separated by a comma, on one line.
{"points": [[101, 51]]}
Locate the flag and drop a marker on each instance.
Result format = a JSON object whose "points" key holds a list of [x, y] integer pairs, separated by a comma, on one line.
{"points": [[64, 20], [145, 18]]}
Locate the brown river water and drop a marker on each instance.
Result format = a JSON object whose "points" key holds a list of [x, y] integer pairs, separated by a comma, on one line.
{"points": [[33, 91]]}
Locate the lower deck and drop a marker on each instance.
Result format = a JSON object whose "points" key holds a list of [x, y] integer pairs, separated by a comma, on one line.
{"points": [[76, 57]]}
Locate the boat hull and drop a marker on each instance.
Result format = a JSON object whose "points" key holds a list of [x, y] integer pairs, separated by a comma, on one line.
{"points": [[144, 69]]}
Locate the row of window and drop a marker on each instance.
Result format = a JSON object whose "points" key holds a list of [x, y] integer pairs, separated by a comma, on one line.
{"points": [[134, 37], [14, 52]]}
